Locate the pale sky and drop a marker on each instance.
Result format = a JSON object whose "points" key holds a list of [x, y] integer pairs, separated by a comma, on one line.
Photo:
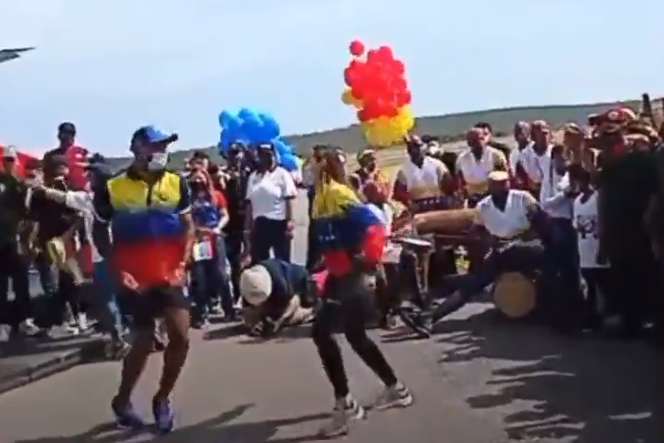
{"points": [[111, 66]]}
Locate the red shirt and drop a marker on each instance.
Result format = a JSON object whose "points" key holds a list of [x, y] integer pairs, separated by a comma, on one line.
{"points": [[76, 157]]}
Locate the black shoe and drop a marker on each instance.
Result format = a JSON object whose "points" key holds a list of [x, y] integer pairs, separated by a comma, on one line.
{"points": [[419, 322]]}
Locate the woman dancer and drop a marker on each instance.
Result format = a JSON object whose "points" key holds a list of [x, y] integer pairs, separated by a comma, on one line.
{"points": [[351, 239]]}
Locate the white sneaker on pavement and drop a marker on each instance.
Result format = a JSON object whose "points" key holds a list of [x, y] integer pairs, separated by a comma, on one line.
{"points": [[82, 322], [338, 422], [28, 327], [397, 396]]}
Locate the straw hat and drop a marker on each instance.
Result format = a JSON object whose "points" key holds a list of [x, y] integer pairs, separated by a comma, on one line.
{"points": [[255, 285]]}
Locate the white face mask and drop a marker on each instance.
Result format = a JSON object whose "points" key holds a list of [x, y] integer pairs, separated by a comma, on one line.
{"points": [[158, 161]]}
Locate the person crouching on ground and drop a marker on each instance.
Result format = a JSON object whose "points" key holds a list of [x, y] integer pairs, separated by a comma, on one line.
{"points": [[352, 240], [208, 279], [276, 294], [149, 209]]}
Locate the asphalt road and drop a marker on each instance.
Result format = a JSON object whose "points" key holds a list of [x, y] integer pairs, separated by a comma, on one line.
{"points": [[478, 380]]}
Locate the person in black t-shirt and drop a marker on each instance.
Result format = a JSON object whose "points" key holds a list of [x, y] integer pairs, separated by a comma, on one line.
{"points": [[234, 178], [13, 264]]}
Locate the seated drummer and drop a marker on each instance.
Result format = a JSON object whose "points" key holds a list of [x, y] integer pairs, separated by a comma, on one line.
{"points": [[517, 226], [424, 184], [274, 293]]}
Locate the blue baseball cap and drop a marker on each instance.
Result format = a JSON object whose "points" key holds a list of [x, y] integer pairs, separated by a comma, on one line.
{"points": [[152, 134]]}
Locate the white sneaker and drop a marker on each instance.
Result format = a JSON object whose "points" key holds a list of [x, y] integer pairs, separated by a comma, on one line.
{"points": [[82, 322], [397, 396], [71, 329], [338, 422], [28, 327]]}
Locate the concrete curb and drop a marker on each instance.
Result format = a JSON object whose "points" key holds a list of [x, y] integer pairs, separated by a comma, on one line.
{"points": [[87, 352]]}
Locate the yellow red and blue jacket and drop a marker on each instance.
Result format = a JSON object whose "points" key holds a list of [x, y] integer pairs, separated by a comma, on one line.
{"points": [[345, 226], [148, 234]]}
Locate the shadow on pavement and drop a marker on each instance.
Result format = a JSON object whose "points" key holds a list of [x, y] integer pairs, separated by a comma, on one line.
{"points": [[286, 335], [213, 430], [578, 390]]}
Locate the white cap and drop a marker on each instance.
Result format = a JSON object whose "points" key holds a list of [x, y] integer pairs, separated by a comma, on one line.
{"points": [[10, 152], [255, 285]]}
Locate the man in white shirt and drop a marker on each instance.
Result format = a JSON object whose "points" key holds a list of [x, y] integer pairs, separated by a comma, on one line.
{"points": [[537, 156], [475, 163], [515, 220], [517, 158]]}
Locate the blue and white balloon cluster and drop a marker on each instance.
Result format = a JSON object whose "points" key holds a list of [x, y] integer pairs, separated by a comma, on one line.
{"points": [[252, 127]]}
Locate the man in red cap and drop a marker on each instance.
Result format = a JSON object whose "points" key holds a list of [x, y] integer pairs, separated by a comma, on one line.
{"points": [[629, 184]]}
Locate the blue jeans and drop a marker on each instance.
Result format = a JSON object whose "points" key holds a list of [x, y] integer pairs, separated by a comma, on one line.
{"points": [[106, 290], [209, 282]]}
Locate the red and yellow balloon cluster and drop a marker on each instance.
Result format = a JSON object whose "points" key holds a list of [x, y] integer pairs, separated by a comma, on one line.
{"points": [[377, 87]]}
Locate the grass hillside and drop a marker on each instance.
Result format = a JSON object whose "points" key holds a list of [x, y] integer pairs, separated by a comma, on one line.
{"points": [[449, 128]]}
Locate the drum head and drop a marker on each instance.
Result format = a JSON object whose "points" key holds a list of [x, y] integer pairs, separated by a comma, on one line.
{"points": [[514, 294], [416, 242]]}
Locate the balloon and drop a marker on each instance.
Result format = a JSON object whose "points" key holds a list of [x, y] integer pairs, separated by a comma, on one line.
{"points": [[289, 162], [225, 139], [348, 98], [384, 53], [270, 126], [251, 127], [398, 67], [354, 72], [282, 147], [403, 98], [246, 114], [356, 48], [224, 118]]}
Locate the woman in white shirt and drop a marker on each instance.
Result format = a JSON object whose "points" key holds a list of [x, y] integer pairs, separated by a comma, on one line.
{"points": [[269, 221]]}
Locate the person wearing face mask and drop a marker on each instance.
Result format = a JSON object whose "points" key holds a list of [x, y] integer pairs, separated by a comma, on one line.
{"points": [[519, 230], [234, 178], [149, 210], [208, 279], [476, 163], [269, 220]]}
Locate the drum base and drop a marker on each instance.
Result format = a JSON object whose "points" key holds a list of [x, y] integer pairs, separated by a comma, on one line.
{"points": [[515, 295]]}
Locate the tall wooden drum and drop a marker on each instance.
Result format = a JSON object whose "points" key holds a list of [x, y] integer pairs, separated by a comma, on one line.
{"points": [[447, 222]]}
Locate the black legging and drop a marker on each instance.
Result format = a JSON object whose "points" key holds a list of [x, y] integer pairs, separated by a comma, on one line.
{"points": [[345, 299]]}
